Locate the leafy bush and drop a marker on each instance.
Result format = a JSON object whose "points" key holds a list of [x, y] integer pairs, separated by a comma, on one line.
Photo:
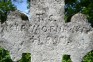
{"points": [[88, 57], [66, 58], [83, 6], [5, 56], [25, 57], [5, 7]]}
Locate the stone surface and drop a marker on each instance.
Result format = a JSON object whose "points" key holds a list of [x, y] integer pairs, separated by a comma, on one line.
{"points": [[46, 36]]}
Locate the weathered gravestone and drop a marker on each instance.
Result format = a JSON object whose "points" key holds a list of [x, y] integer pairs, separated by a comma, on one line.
{"points": [[46, 36]]}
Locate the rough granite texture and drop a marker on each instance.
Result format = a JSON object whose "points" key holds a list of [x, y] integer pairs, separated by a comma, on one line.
{"points": [[46, 36]]}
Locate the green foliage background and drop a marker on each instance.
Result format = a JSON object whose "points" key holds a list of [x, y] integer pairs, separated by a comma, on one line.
{"points": [[5, 7], [5, 56], [88, 57], [66, 58], [83, 6]]}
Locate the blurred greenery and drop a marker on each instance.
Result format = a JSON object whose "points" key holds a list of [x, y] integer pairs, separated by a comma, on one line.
{"points": [[5, 7], [26, 57], [88, 57], [66, 58], [5, 56], [28, 1], [83, 6]]}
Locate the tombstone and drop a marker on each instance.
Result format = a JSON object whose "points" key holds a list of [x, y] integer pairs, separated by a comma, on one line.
{"points": [[46, 36]]}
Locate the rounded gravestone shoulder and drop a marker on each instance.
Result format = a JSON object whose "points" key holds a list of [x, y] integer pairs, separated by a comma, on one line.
{"points": [[79, 17], [17, 15]]}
